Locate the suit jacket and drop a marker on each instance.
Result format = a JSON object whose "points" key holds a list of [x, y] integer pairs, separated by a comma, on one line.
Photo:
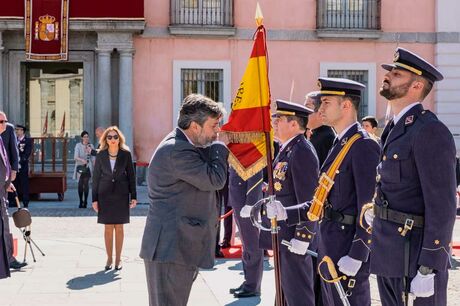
{"points": [[4, 264], [121, 180], [354, 186], [295, 177], [416, 175], [182, 219], [10, 142]]}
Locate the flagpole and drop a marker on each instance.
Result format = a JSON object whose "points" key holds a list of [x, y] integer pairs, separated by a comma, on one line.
{"points": [[279, 297]]}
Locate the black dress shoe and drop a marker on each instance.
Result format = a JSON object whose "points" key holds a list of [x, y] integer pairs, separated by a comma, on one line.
{"points": [[118, 268], [17, 265], [233, 290], [219, 254], [245, 293], [107, 268]]}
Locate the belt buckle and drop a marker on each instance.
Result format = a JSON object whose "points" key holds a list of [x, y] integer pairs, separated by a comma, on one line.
{"points": [[407, 226], [326, 182]]}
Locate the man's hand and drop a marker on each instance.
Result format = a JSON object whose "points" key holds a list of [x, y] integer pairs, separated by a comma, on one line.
{"points": [[13, 175], [223, 136], [276, 210], [11, 188], [348, 265], [96, 206], [133, 203], [245, 212], [298, 247], [422, 285]]}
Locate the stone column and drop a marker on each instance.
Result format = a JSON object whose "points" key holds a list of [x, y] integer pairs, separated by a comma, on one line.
{"points": [[125, 95], [103, 89]]}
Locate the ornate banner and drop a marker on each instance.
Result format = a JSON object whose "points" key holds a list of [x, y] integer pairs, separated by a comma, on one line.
{"points": [[46, 30]]}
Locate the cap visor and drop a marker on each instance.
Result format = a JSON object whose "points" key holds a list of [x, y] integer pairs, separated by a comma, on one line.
{"points": [[388, 67]]}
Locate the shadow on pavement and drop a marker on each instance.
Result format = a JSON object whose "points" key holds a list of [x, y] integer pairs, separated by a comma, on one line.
{"points": [[252, 301], [91, 280]]}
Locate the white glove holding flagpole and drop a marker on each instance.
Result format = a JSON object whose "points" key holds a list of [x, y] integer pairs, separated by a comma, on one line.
{"points": [[276, 210]]}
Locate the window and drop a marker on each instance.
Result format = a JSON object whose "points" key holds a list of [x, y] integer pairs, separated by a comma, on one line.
{"points": [[210, 78], [360, 76], [348, 14], [204, 81], [202, 12]]}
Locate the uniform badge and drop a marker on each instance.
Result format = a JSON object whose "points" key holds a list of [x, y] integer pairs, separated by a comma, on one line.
{"points": [[396, 57], [409, 120], [344, 141], [278, 186], [280, 171]]}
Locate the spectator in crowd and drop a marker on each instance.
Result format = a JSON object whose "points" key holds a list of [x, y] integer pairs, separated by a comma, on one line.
{"points": [[83, 167], [370, 124], [114, 190], [22, 178], [10, 158]]}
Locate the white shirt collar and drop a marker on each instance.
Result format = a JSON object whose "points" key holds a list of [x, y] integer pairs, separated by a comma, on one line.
{"points": [[403, 112], [287, 142], [340, 136], [186, 136]]}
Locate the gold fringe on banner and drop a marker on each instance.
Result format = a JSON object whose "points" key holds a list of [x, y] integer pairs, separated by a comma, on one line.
{"points": [[246, 173], [245, 137]]}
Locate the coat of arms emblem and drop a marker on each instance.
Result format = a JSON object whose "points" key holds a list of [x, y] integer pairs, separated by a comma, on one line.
{"points": [[47, 28]]}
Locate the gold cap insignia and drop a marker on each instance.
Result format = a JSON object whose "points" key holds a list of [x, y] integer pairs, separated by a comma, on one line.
{"points": [[396, 57]]}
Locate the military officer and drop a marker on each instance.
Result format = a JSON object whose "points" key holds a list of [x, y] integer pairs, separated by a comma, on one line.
{"points": [[415, 198], [295, 177], [242, 196], [25, 149]]}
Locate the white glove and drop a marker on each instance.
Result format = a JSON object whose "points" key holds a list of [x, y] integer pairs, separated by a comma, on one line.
{"points": [[349, 266], [245, 212], [276, 210], [298, 247], [422, 285], [369, 217]]}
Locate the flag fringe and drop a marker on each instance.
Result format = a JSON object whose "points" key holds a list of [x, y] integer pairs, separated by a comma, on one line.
{"points": [[246, 173], [245, 137]]}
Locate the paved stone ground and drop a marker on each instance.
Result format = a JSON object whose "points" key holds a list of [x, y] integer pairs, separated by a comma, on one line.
{"points": [[71, 272]]}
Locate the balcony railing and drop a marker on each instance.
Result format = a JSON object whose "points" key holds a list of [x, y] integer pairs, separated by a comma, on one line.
{"points": [[214, 13], [348, 14]]}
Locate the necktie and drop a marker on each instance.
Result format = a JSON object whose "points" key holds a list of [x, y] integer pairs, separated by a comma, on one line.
{"points": [[5, 158]]}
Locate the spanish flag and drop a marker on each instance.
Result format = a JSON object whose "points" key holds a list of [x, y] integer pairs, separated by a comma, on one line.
{"points": [[250, 116]]}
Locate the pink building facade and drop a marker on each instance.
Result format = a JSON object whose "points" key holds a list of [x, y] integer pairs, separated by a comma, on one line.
{"points": [[204, 45]]}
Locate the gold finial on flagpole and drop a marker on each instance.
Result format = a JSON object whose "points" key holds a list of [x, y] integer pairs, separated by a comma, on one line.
{"points": [[259, 16]]}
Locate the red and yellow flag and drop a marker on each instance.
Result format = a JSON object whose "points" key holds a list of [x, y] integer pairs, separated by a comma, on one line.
{"points": [[250, 116]]}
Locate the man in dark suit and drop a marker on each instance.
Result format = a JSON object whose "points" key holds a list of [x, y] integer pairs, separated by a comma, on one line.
{"points": [[11, 155], [295, 174], [5, 236], [321, 136], [180, 230], [22, 178], [242, 196], [415, 201]]}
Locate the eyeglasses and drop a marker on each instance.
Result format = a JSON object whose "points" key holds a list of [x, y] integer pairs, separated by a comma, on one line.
{"points": [[3, 121], [109, 137]]}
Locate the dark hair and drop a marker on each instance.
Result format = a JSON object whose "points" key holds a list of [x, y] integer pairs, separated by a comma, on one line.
{"points": [[355, 100], [84, 133], [427, 86], [197, 108], [302, 121], [371, 120]]}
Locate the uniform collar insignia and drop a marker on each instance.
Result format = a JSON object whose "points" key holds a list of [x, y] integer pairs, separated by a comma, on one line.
{"points": [[344, 141], [409, 120]]}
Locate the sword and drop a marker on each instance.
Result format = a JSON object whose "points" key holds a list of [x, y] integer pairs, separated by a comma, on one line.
{"points": [[335, 279]]}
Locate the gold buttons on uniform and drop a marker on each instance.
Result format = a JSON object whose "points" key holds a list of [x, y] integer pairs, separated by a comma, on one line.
{"points": [[400, 229], [369, 241], [309, 236], [298, 234], [337, 171], [395, 156], [436, 242], [304, 236], [384, 157]]}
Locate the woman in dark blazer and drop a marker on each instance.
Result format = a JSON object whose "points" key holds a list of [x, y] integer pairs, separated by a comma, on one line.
{"points": [[114, 190]]}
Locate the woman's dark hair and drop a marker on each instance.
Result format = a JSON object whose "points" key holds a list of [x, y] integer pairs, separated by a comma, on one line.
{"points": [[84, 133]]}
